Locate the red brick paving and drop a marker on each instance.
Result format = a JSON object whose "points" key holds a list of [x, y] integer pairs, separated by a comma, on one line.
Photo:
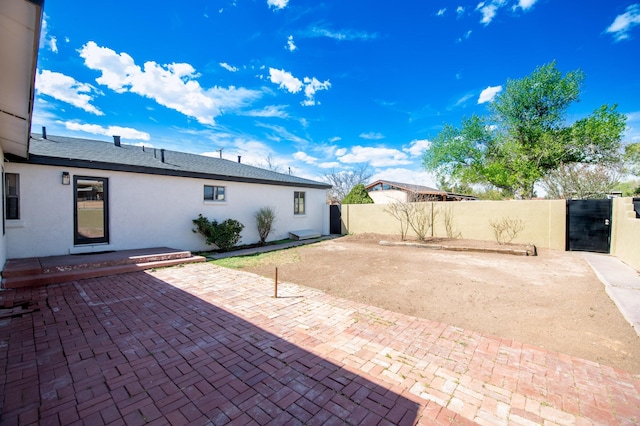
{"points": [[204, 345]]}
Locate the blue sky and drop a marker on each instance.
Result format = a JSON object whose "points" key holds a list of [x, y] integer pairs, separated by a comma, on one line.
{"points": [[317, 87]]}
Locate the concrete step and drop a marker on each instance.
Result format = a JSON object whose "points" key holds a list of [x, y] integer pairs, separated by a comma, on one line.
{"points": [[35, 272]]}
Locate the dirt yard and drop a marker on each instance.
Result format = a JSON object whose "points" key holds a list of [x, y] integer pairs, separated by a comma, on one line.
{"points": [[553, 300]]}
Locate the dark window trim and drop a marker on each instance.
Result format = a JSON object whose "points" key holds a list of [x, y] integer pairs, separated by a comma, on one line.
{"points": [[296, 203], [7, 195], [105, 211], [215, 193]]}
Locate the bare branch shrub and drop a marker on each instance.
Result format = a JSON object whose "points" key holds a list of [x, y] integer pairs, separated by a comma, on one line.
{"points": [[449, 223], [506, 229], [398, 210]]}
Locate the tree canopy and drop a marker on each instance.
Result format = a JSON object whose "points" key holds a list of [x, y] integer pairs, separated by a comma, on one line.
{"points": [[526, 135], [344, 181], [357, 195]]}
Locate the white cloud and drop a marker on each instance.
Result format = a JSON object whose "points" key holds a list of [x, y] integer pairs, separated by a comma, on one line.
{"points": [[95, 129], [269, 111], [329, 165], [228, 67], [622, 25], [460, 10], [372, 136], [526, 4], [66, 89], [489, 10], [312, 85], [285, 80], [291, 46], [418, 147], [441, 12], [463, 99], [277, 4], [301, 156], [173, 85], [376, 156], [465, 36], [45, 39], [340, 152], [343, 35], [489, 94]]}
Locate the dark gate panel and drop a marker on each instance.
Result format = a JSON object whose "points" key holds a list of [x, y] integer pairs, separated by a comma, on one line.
{"points": [[335, 222], [589, 225]]}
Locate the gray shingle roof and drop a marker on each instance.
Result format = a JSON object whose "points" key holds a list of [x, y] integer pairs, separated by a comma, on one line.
{"points": [[75, 152]]}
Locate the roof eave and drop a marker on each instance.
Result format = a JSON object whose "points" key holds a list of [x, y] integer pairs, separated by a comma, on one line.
{"points": [[97, 165]]}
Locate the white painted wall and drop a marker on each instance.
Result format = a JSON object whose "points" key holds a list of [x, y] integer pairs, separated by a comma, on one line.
{"points": [[388, 196], [147, 211]]}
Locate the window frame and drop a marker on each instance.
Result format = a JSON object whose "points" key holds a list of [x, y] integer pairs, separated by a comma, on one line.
{"points": [[215, 194], [7, 195], [297, 196]]}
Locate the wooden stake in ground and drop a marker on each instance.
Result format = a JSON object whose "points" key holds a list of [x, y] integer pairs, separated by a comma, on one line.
{"points": [[275, 287]]}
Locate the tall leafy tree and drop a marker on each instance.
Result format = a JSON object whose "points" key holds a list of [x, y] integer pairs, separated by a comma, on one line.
{"points": [[526, 135]]}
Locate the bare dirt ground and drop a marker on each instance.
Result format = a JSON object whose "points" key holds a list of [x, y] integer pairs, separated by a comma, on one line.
{"points": [[553, 300]]}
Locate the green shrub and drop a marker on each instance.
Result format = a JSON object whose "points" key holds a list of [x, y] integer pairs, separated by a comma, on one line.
{"points": [[357, 195], [265, 217], [224, 235]]}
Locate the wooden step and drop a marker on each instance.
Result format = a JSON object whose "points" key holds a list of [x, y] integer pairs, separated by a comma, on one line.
{"points": [[34, 272]]}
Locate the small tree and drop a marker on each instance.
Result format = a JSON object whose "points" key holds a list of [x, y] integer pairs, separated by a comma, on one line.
{"points": [[358, 195], [343, 181], [580, 181], [265, 217], [223, 235]]}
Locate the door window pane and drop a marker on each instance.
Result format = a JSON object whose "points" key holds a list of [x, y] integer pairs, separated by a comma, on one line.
{"points": [[91, 213]]}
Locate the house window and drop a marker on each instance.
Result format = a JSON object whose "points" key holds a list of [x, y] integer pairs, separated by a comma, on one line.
{"points": [[298, 202], [12, 195], [214, 193]]}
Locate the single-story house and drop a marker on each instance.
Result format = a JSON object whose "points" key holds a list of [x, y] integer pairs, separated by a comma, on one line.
{"points": [[74, 195], [385, 192], [66, 195]]}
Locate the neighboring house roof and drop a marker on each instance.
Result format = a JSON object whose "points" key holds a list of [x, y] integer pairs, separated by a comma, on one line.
{"points": [[92, 154], [415, 189]]}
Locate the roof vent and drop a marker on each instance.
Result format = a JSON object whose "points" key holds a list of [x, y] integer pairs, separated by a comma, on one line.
{"points": [[239, 157], [162, 155], [116, 140], [44, 132]]}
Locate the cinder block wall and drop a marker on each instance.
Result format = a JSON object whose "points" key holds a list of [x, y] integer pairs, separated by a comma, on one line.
{"points": [[544, 220], [625, 233], [544, 223]]}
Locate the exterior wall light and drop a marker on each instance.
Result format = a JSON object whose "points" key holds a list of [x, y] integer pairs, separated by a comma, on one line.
{"points": [[66, 179]]}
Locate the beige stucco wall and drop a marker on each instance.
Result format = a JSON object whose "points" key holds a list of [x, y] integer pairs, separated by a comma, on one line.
{"points": [[625, 233], [544, 220]]}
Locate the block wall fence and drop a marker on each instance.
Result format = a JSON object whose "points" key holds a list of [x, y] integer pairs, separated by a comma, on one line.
{"points": [[544, 222]]}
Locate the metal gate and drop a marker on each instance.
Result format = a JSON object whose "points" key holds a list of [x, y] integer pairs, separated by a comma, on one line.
{"points": [[589, 225], [335, 220]]}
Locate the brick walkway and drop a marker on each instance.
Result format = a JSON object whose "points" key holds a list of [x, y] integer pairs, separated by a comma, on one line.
{"points": [[205, 345]]}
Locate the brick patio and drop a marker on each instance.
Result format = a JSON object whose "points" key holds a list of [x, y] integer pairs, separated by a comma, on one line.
{"points": [[201, 344]]}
